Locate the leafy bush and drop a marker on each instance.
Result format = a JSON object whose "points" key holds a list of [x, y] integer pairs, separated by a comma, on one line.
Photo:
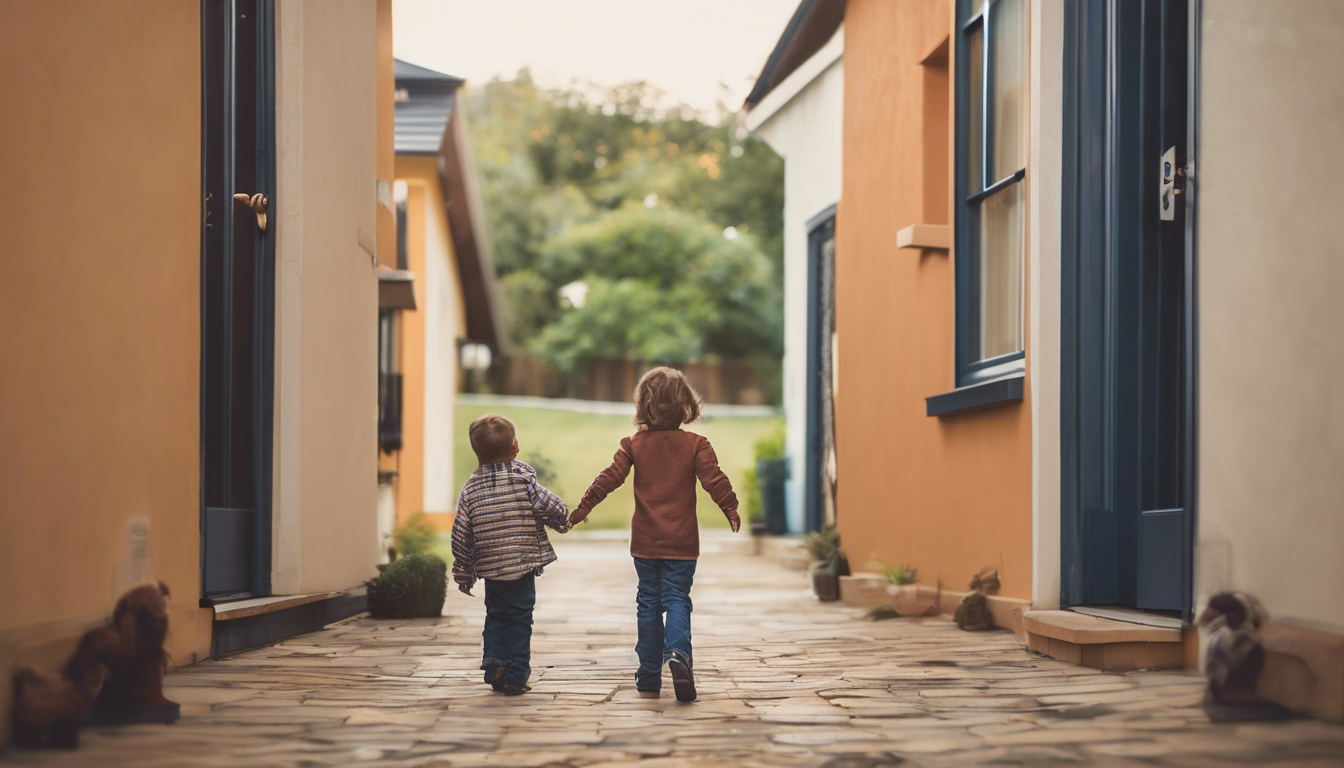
{"points": [[413, 587], [897, 574], [752, 509], [822, 544], [543, 466], [414, 536], [771, 445]]}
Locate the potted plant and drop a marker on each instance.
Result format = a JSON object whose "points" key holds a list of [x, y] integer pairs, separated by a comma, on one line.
{"points": [[905, 595], [772, 469], [824, 546], [752, 514]]}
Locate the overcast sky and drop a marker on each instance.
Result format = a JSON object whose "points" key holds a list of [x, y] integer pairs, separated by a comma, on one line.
{"points": [[685, 47]]}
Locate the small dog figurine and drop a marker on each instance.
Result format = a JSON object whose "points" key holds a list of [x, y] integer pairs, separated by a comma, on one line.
{"points": [[117, 670], [1234, 659]]}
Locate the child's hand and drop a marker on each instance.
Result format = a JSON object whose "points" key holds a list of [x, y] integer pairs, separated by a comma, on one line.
{"points": [[734, 520], [464, 583]]}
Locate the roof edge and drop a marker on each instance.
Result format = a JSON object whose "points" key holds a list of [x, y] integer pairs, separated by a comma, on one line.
{"points": [[809, 29]]}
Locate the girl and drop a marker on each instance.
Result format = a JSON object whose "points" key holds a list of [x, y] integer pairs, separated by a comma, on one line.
{"points": [[664, 533]]}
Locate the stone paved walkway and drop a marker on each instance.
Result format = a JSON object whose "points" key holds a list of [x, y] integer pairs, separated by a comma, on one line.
{"points": [[784, 681]]}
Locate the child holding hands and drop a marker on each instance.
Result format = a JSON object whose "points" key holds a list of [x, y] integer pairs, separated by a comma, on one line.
{"points": [[499, 535], [664, 532]]}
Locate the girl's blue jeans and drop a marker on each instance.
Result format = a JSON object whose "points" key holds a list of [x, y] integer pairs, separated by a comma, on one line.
{"points": [[664, 590]]}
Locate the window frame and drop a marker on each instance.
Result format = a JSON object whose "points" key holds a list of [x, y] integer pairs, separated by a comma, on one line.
{"points": [[973, 15]]}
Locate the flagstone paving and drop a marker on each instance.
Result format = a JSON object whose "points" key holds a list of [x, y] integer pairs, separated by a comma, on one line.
{"points": [[784, 681]]}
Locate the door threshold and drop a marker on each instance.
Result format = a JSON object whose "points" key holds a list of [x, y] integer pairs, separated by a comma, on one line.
{"points": [[1129, 615]]}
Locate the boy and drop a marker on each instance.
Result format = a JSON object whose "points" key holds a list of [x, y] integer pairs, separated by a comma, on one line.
{"points": [[499, 536]]}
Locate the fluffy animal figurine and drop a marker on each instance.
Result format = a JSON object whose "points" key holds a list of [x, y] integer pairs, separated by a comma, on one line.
{"points": [[49, 711], [986, 581], [973, 613], [115, 676], [1234, 658], [133, 691]]}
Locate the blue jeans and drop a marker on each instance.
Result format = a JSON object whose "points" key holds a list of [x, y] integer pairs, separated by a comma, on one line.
{"points": [[508, 628], [664, 588]]}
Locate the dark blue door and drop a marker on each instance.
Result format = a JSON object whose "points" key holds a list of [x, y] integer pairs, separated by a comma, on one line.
{"points": [[1125, 408], [820, 338], [237, 295]]}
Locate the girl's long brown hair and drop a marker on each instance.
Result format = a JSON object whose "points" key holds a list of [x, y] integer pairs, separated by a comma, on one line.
{"points": [[664, 399]]}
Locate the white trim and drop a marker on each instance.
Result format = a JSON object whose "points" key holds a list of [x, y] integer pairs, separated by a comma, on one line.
{"points": [[799, 79], [1043, 191]]}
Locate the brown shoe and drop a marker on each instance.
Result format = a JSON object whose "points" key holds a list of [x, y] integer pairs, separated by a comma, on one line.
{"points": [[682, 678], [648, 694]]}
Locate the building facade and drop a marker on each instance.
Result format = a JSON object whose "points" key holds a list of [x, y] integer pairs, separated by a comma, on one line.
{"points": [[1080, 341], [189, 378], [443, 252], [798, 108]]}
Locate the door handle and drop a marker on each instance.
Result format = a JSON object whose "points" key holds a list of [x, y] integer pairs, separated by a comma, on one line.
{"points": [[257, 203]]}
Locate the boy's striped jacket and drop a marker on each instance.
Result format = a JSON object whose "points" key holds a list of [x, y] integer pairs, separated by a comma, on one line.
{"points": [[500, 530]]}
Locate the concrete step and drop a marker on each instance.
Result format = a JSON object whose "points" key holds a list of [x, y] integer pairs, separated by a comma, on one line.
{"points": [[1107, 644]]}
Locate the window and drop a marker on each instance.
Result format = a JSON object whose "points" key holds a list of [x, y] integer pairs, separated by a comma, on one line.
{"points": [[992, 126], [389, 383]]}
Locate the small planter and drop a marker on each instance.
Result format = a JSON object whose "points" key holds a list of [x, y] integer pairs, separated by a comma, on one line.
{"points": [[912, 600], [772, 474]]}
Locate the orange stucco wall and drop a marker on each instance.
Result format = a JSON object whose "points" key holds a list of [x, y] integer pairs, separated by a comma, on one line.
{"points": [[387, 219], [100, 145], [427, 238], [411, 358], [948, 495]]}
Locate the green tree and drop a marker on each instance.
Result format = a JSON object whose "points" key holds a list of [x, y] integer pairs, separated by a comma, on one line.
{"points": [[663, 286], [567, 175]]}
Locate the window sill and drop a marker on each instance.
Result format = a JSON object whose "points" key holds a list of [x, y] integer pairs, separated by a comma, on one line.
{"points": [[1005, 390]]}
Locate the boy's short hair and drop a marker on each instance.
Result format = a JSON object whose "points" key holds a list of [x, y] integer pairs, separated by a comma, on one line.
{"points": [[491, 436], [664, 399]]}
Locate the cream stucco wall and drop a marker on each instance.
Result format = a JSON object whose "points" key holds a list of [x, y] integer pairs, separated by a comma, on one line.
{"points": [[1043, 294], [325, 508], [1271, 359], [803, 120]]}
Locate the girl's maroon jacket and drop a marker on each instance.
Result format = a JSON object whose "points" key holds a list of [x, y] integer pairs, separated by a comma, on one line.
{"points": [[667, 462]]}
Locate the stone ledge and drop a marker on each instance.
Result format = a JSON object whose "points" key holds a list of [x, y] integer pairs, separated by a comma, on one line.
{"points": [[1304, 669]]}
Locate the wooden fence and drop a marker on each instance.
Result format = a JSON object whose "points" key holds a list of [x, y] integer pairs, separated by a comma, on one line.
{"points": [[732, 382]]}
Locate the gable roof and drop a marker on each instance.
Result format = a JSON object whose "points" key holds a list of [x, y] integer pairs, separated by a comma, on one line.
{"points": [[811, 27], [425, 100], [427, 122]]}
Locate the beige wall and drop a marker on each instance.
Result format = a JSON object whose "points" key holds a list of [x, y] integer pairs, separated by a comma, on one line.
{"points": [[802, 119], [325, 516], [100, 146], [1043, 293], [1271, 274]]}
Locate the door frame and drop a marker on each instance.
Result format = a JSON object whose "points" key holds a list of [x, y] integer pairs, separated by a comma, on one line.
{"points": [[1073, 190], [814, 442], [263, 341]]}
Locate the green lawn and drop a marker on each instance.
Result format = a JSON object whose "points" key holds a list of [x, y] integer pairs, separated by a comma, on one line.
{"points": [[580, 445]]}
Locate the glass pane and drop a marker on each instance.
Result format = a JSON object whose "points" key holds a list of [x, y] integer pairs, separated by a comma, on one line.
{"points": [[974, 135], [1001, 244], [1008, 51]]}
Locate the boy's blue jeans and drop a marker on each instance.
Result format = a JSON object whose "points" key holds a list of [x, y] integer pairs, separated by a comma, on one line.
{"points": [[664, 588], [508, 628]]}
